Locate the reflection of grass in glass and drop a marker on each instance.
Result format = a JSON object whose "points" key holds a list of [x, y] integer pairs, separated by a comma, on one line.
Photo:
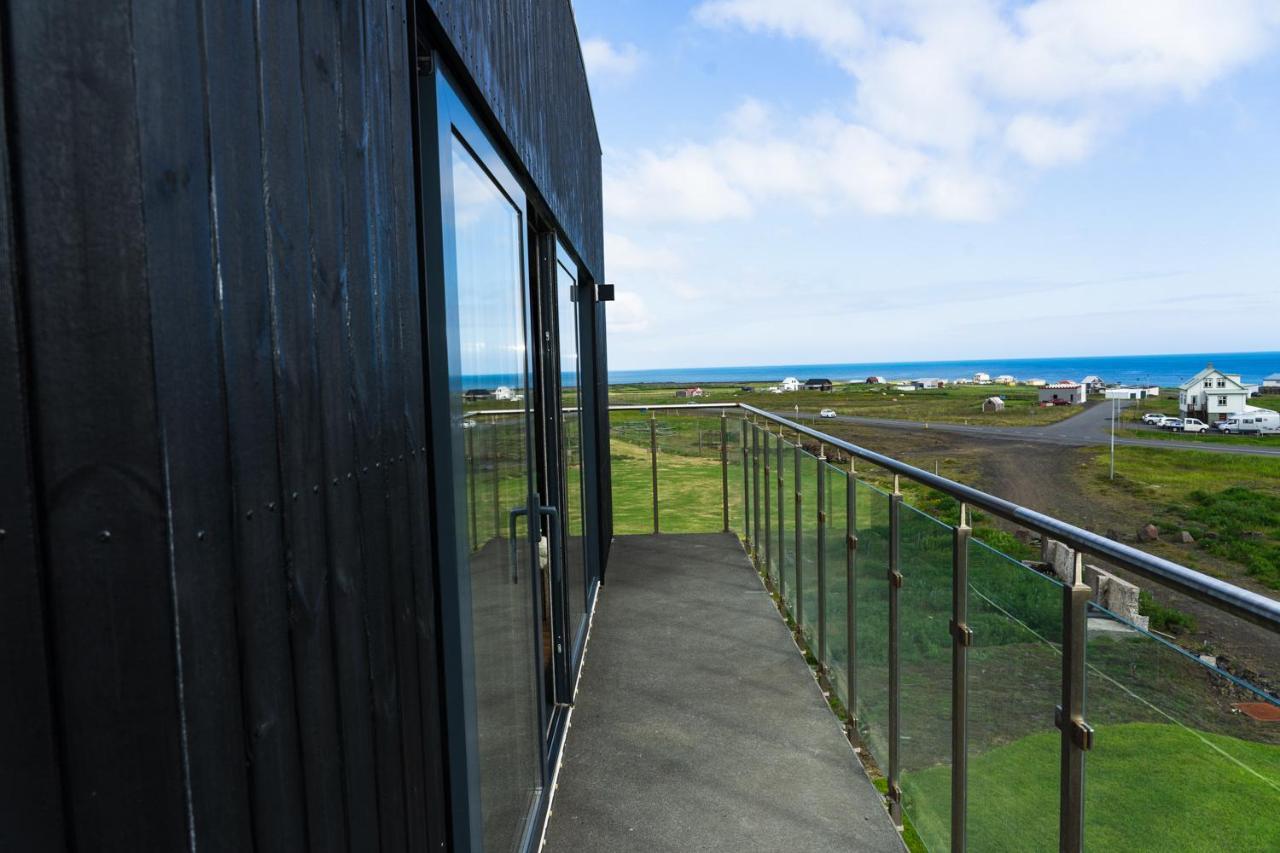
{"points": [[1150, 786]]}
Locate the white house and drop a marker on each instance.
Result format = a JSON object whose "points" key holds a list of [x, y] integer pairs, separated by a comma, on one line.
{"points": [[1005, 379], [1212, 395], [791, 384], [1126, 393], [1271, 384], [503, 392], [981, 379], [1036, 383], [1063, 393], [1093, 383]]}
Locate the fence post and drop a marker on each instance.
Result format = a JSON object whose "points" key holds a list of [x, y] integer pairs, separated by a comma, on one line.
{"points": [[799, 544], [724, 469], [895, 667], [755, 493], [746, 486], [961, 639], [851, 589], [471, 484], [1077, 735], [497, 500], [782, 514], [822, 558], [653, 459], [768, 528]]}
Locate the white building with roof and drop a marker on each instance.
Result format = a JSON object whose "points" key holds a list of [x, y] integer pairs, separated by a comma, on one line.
{"points": [[1063, 393], [1271, 384], [1212, 395]]}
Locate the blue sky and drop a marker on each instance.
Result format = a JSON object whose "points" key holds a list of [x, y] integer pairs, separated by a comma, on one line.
{"points": [[882, 180]]}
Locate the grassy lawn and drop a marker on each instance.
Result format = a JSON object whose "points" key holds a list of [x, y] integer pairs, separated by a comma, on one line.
{"points": [[954, 404], [1230, 504], [1146, 785], [1211, 437]]}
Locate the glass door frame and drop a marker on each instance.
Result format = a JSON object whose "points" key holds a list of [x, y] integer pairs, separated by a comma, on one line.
{"points": [[442, 116]]}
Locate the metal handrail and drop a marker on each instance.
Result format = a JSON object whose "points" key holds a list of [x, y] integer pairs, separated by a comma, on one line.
{"points": [[1248, 605]]}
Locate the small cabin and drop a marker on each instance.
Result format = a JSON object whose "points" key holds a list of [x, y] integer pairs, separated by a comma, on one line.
{"points": [[993, 404], [817, 385]]}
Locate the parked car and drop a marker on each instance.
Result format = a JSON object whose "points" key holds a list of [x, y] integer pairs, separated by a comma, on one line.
{"points": [[1153, 418], [1171, 424], [1194, 425], [827, 413]]}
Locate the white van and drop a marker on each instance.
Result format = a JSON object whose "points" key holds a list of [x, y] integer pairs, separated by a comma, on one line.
{"points": [[1259, 421]]}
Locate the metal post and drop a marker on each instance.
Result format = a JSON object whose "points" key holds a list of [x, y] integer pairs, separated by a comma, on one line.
{"points": [[768, 528], [961, 639], [851, 589], [724, 469], [653, 459], [782, 514], [1077, 735], [822, 559], [493, 461], [799, 543], [895, 667], [471, 485], [755, 492], [746, 487]]}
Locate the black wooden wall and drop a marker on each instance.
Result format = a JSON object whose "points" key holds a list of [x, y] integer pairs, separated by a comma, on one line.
{"points": [[216, 595], [526, 64]]}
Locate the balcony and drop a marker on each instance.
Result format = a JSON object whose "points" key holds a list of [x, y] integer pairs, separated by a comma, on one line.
{"points": [[1004, 708]]}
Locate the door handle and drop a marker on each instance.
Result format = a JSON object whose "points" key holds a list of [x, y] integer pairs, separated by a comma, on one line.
{"points": [[515, 552]]}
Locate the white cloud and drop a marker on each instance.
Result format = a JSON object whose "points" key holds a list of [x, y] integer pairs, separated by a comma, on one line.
{"points": [[1043, 141], [605, 59], [951, 101]]}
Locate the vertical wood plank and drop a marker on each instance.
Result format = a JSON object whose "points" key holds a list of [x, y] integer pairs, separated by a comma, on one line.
{"points": [[104, 526], [364, 390], [298, 412], [322, 85], [244, 309], [31, 815], [192, 410]]}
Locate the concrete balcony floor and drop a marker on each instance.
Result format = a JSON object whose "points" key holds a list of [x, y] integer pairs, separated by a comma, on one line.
{"points": [[698, 725]]}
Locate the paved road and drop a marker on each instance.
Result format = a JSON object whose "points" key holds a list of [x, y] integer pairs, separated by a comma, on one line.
{"points": [[1090, 427]]}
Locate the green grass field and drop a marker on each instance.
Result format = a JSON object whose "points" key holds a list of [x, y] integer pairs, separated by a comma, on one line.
{"points": [[953, 404], [1229, 503]]}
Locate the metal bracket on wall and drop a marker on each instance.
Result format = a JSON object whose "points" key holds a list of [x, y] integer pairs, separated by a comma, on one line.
{"points": [[963, 634]]}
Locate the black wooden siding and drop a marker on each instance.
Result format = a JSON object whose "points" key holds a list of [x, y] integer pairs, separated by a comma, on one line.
{"points": [[217, 622], [524, 59]]}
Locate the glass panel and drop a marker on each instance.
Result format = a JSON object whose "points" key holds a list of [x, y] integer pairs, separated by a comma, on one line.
{"points": [[925, 649], [872, 599], [733, 453], [1015, 680], [689, 476], [809, 546], [629, 460], [836, 575], [575, 554], [785, 489], [1179, 753], [489, 291]]}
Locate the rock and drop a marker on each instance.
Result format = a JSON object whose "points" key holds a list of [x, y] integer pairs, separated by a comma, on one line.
{"points": [[1061, 558], [1117, 595], [1187, 538], [1150, 533]]}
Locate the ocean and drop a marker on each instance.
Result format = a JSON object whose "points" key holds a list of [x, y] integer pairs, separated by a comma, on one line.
{"points": [[1164, 370]]}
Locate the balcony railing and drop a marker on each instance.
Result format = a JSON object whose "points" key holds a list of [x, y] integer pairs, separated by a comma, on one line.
{"points": [[954, 661]]}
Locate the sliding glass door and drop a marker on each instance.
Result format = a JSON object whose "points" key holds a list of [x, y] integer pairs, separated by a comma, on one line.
{"points": [[490, 380], [571, 450]]}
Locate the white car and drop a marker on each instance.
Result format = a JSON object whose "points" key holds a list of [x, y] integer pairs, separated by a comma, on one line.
{"points": [[827, 413], [1169, 422], [1153, 418], [1194, 425]]}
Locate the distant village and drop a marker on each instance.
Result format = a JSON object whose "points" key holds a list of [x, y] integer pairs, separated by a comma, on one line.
{"points": [[1212, 395]]}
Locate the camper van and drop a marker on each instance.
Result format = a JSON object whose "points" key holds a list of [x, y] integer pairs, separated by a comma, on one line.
{"points": [[1259, 421]]}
